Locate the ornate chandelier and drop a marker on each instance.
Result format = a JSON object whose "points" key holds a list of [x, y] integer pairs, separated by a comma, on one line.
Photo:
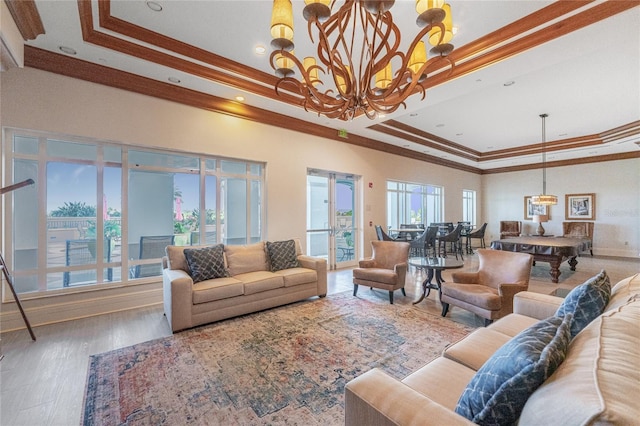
{"points": [[544, 199], [364, 72]]}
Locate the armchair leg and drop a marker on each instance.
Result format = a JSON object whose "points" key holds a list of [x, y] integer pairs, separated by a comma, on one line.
{"points": [[404, 293], [391, 297], [445, 309], [487, 322], [355, 289]]}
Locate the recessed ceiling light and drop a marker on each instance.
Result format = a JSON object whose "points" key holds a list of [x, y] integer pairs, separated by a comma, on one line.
{"points": [[240, 98], [156, 7], [459, 134], [68, 50], [174, 80], [440, 125], [563, 134], [413, 114], [406, 146], [509, 83], [260, 50], [478, 80], [490, 147]]}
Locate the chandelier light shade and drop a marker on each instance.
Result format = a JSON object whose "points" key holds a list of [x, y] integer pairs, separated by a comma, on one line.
{"points": [[544, 199], [282, 25], [358, 67]]}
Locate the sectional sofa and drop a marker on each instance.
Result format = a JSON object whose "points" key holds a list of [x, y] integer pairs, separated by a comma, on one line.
{"points": [[595, 377], [203, 284]]}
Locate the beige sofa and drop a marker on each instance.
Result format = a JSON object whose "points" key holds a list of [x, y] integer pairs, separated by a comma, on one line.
{"points": [[250, 286], [597, 383]]}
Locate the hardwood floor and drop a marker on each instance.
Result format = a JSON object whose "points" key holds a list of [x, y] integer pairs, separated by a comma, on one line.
{"points": [[43, 382]]}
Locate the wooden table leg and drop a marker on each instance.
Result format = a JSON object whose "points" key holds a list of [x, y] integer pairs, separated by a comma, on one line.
{"points": [[555, 269], [426, 286]]}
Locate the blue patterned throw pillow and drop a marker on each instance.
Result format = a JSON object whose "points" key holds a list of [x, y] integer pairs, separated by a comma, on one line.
{"points": [[282, 255], [206, 263], [501, 387], [586, 301]]}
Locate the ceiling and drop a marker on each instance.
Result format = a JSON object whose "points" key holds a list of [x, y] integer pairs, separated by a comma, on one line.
{"points": [[577, 61]]}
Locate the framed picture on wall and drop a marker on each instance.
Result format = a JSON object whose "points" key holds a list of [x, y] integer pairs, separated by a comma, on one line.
{"points": [[580, 206], [532, 209]]}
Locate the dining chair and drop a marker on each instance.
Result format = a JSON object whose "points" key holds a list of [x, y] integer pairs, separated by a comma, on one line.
{"points": [[152, 247], [430, 240], [477, 234], [417, 245], [453, 238], [83, 252], [382, 236], [510, 228], [582, 230]]}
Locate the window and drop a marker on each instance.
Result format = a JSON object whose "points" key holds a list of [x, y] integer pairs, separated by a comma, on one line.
{"points": [[413, 203], [102, 212], [469, 206]]}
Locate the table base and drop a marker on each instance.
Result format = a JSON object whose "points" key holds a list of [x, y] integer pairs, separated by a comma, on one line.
{"points": [[427, 285]]}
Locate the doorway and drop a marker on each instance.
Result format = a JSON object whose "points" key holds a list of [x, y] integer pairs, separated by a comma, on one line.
{"points": [[332, 225]]}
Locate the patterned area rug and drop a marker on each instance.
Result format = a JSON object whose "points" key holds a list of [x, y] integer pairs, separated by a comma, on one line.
{"points": [[287, 365]]}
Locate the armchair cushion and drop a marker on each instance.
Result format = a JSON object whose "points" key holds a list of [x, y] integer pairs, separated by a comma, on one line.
{"points": [[282, 255], [586, 301], [206, 263], [498, 391], [476, 294], [384, 276]]}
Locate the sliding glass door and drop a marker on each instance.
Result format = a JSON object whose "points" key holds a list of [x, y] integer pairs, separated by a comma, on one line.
{"points": [[332, 230]]}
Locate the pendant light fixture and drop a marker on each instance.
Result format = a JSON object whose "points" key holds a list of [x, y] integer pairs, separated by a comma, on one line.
{"points": [[359, 67], [544, 199]]}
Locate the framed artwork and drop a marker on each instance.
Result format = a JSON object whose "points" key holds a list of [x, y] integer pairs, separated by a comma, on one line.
{"points": [[533, 209], [580, 206]]}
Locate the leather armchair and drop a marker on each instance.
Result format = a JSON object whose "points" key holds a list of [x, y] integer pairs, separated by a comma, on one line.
{"points": [[386, 269], [489, 292], [510, 228]]}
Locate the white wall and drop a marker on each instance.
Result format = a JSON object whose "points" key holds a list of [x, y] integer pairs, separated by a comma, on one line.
{"points": [[37, 100], [616, 185]]}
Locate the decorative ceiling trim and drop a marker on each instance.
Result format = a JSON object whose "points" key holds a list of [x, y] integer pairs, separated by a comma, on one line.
{"points": [[255, 81], [562, 163], [88, 71], [27, 18]]}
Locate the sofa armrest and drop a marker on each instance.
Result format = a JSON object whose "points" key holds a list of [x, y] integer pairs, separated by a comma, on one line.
{"points": [[536, 305], [319, 265], [375, 399], [178, 299]]}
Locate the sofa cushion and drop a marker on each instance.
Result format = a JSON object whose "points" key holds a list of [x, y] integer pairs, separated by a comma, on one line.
{"points": [[430, 381], [624, 291], [475, 349], [217, 289], [597, 383], [255, 282], [586, 301], [282, 255], [247, 258], [206, 263], [298, 276], [500, 388]]}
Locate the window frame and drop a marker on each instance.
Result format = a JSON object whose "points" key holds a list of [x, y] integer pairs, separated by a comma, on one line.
{"points": [[254, 176]]}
